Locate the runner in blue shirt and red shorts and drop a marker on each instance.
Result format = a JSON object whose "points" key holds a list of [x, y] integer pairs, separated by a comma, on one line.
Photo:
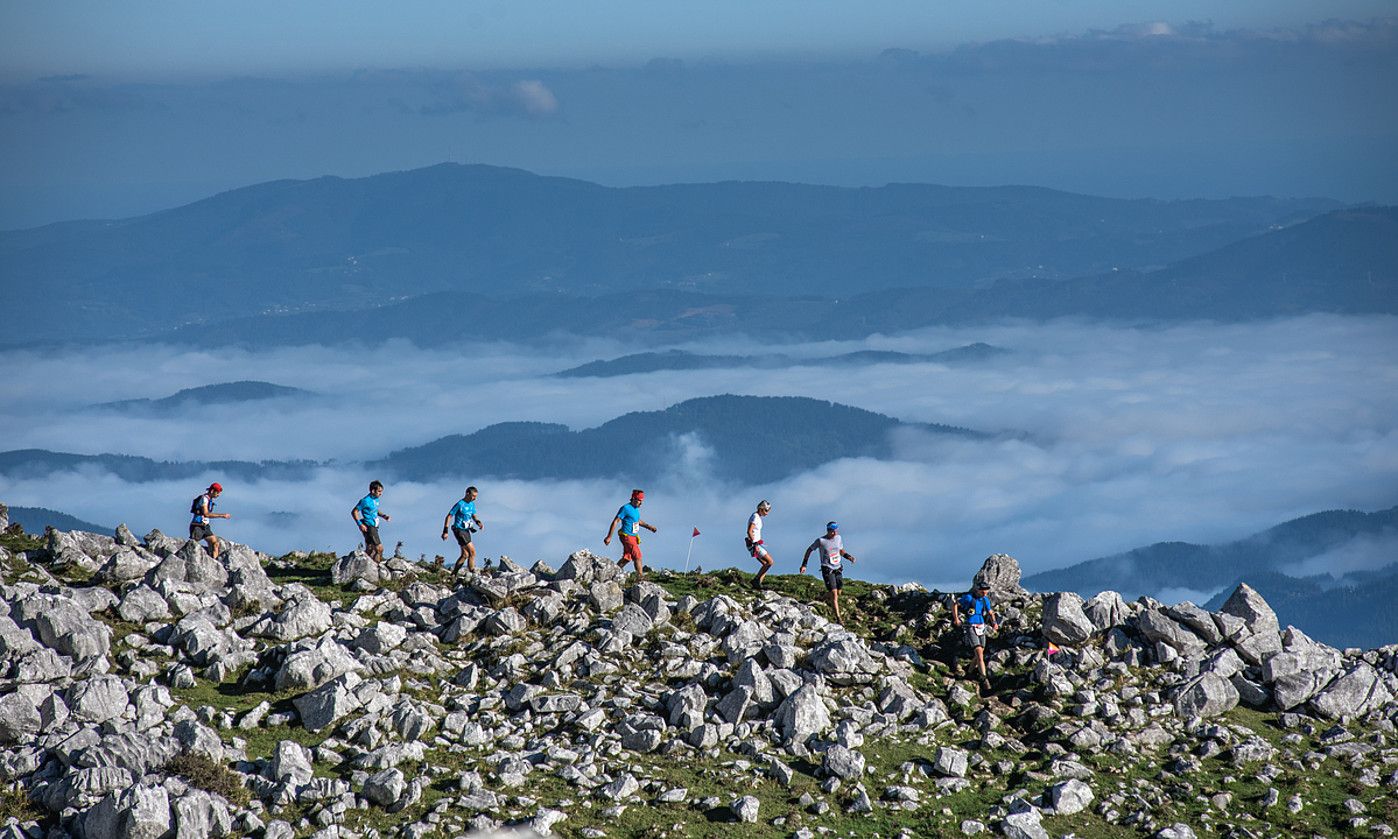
{"points": [[628, 518]]}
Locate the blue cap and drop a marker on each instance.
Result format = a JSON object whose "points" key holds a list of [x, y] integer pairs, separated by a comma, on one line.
{"points": [[832, 525]]}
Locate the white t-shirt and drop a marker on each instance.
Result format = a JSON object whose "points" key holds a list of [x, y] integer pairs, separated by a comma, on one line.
{"points": [[755, 527], [830, 550]]}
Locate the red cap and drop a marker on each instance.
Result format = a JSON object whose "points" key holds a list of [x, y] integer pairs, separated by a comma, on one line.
{"points": [[216, 487], [638, 495]]}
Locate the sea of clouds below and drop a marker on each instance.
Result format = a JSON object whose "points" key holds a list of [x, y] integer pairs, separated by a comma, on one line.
{"points": [[1195, 432]]}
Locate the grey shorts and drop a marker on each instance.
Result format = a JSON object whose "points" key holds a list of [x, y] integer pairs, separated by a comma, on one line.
{"points": [[974, 638], [834, 578], [200, 532], [371, 536], [463, 536]]}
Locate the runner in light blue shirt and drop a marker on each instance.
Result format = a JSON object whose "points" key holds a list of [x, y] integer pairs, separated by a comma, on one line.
{"points": [[461, 520], [366, 516]]}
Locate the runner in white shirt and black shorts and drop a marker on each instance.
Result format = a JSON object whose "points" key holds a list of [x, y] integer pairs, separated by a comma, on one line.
{"points": [[754, 542]]}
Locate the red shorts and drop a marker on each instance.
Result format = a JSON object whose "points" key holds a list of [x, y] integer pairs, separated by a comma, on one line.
{"points": [[630, 547]]}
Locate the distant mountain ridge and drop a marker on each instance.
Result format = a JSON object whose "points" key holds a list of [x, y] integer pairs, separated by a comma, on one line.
{"points": [[652, 362], [1344, 262], [333, 244], [749, 438], [1181, 565], [35, 519], [224, 393]]}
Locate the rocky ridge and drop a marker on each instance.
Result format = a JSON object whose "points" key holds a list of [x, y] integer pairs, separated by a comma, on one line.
{"points": [[148, 690]]}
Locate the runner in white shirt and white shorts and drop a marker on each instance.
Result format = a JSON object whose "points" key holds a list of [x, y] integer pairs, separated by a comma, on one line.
{"points": [[754, 543]]}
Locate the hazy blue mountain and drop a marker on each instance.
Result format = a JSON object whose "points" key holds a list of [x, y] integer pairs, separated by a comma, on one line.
{"points": [[216, 394], [335, 244], [1181, 565], [740, 438], [651, 362], [1358, 613], [1340, 262], [748, 438], [35, 519], [33, 463], [1345, 261]]}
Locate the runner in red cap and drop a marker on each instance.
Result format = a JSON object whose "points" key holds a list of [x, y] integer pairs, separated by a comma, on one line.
{"points": [[202, 509], [629, 518]]}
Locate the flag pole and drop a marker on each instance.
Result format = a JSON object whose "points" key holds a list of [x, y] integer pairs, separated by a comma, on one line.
{"points": [[691, 550]]}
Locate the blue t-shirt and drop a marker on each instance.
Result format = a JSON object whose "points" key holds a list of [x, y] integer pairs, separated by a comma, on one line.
{"points": [[461, 514], [629, 514], [974, 608], [368, 508]]}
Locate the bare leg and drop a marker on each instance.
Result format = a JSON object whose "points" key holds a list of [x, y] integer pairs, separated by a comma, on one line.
{"points": [[835, 602], [460, 559], [470, 552], [212, 542], [766, 560]]}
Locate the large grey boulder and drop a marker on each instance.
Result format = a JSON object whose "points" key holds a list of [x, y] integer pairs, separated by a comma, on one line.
{"points": [[1199, 621], [356, 566], [63, 625], [686, 706], [141, 604], [19, 719], [951, 762], [1064, 621], [314, 667], [302, 616], [1002, 573], [290, 764], [1247, 604], [1106, 609], [1071, 796], [328, 703], [199, 814], [191, 564], [843, 763], [205, 644], [1353, 694], [129, 563], [1295, 689], [802, 714], [386, 787], [1206, 695], [98, 699], [1156, 626], [139, 812], [632, 619], [249, 587]]}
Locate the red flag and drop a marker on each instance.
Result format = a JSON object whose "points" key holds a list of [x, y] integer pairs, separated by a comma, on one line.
{"points": [[696, 532]]}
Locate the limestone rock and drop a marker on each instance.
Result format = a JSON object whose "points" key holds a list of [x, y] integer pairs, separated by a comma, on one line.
{"points": [[1206, 695], [1247, 604], [1002, 572], [1064, 621]]}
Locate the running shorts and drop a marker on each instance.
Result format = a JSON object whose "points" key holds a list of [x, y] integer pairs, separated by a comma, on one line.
{"points": [[834, 578], [200, 532], [463, 536], [630, 547], [371, 536]]}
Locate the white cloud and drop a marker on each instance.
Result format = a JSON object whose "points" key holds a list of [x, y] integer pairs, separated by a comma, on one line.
{"points": [[1203, 433]]}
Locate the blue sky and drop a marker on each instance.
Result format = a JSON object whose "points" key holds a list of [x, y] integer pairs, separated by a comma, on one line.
{"points": [[178, 37], [110, 110]]}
